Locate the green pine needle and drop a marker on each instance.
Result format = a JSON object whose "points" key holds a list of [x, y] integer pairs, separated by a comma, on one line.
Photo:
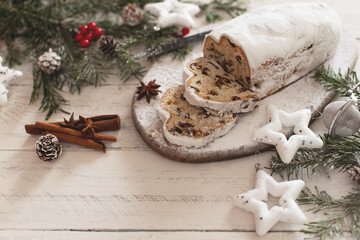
{"points": [[337, 81], [233, 8], [342, 215], [338, 152], [212, 16]]}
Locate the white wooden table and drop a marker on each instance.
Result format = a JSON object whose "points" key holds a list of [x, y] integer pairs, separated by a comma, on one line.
{"points": [[130, 192]]}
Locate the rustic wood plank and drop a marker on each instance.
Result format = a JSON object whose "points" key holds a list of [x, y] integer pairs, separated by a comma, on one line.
{"points": [[65, 235], [132, 190]]}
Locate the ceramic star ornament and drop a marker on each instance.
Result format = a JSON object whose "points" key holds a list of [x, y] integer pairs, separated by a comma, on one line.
{"points": [[173, 13], [6, 75], [287, 211], [303, 137]]}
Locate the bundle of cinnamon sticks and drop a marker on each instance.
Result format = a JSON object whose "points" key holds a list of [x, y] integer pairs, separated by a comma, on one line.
{"points": [[82, 132]]}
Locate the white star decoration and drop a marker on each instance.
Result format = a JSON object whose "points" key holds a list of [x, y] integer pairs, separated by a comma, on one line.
{"points": [[6, 75], [173, 13], [265, 219], [299, 121]]}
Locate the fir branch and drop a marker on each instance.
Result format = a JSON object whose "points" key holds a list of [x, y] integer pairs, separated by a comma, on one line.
{"points": [[127, 66], [342, 214], [337, 81], [181, 53], [233, 8], [212, 16], [51, 85], [92, 68], [338, 152]]}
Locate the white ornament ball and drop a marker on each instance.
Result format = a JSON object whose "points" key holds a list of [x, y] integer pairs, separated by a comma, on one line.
{"points": [[343, 116]]}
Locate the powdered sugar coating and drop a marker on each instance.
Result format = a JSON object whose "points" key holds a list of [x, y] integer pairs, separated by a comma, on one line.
{"points": [[286, 27], [282, 43], [238, 141]]}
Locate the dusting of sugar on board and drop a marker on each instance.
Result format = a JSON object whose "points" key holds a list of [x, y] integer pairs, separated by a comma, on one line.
{"points": [[238, 142]]}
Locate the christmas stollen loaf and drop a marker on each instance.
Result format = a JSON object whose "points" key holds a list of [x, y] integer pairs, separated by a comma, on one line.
{"points": [[188, 125], [259, 53]]}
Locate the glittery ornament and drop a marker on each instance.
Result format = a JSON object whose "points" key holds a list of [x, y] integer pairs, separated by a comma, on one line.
{"points": [[303, 137], [265, 218], [342, 118], [132, 14], [48, 147], [49, 62]]}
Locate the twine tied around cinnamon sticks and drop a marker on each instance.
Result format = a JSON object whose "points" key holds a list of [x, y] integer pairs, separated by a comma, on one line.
{"points": [[83, 132]]}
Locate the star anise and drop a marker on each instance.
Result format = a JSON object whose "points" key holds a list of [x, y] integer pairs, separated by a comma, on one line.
{"points": [[71, 123], [85, 125], [148, 90]]}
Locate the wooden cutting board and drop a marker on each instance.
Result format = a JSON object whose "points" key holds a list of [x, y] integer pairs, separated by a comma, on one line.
{"points": [[238, 142]]}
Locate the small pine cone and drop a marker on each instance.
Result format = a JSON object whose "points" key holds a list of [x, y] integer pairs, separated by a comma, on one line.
{"points": [[108, 44], [49, 62], [48, 148], [355, 174], [132, 14]]}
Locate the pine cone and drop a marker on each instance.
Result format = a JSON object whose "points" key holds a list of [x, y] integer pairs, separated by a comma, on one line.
{"points": [[49, 62], [108, 44], [355, 174], [132, 14], [48, 148]]}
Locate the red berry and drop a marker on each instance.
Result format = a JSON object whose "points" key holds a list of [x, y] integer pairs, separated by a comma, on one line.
{"points": [[79, 37], [97, 33], [91, 26], [83, 29], [88, 36], [84, 43], [185, 31]]}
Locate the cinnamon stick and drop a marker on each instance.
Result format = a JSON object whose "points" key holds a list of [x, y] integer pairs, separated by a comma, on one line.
{"points": [[85, 142], [73, 132], [102, 122], [31, 129], [107, 122]]}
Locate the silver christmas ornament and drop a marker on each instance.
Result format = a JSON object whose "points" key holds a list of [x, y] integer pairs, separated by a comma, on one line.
{"points": [[48, 147], [342, 118], [49, 62]]}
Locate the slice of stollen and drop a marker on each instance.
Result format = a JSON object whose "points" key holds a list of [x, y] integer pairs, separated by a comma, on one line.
{"points": [[215, 89], [263, 50], [188, 125]]}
